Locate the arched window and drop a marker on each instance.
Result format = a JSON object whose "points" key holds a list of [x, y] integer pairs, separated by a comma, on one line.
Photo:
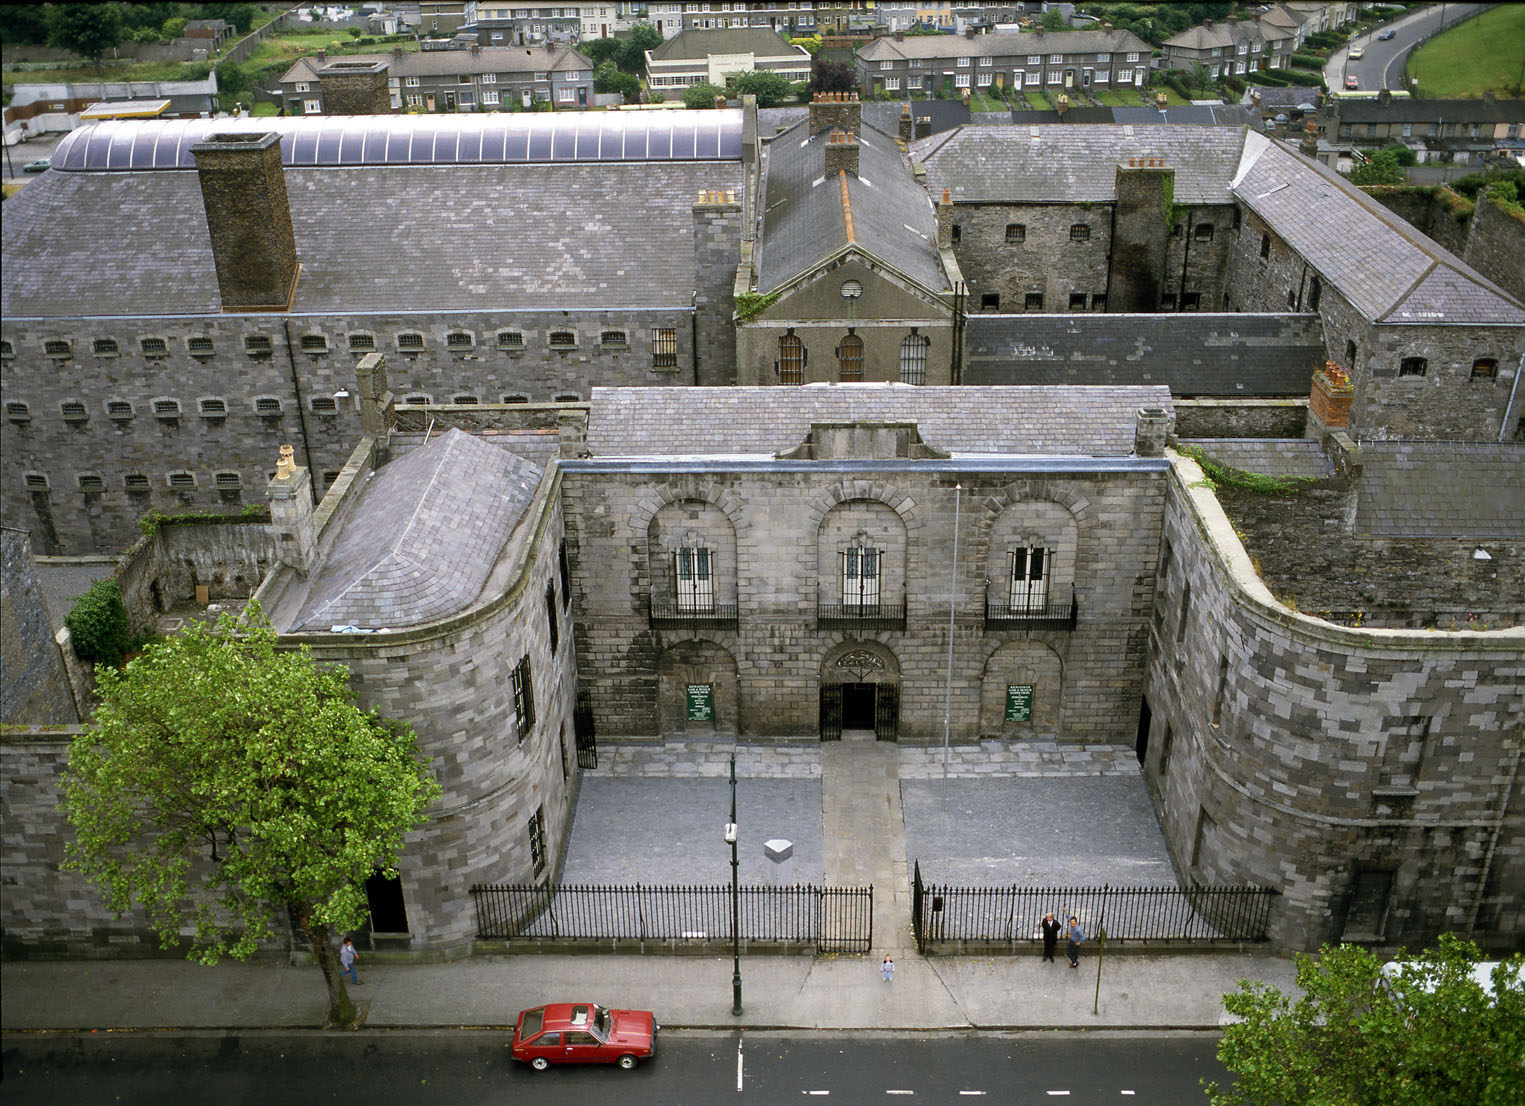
{"points": [[850, 359], [913, 358], [791, 360]]}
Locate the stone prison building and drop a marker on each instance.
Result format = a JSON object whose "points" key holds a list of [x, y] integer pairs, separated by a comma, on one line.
{"points": [[651, 424]]}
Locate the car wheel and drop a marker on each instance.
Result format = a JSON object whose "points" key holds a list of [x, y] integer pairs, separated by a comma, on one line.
{"points": [[540, 1063], [627, 1061]]}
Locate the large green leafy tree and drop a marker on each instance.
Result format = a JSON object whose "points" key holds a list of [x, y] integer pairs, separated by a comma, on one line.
{"points": [[224, 783], [771, 89], [1431, 1037], [88, 30], [632, 53]]}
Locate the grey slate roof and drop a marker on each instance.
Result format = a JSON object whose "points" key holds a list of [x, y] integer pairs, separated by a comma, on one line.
{"points": [[422, 538], [1383, 266], [695, 44], [805, 222], [1074, 164], [1442, 490], [879, 114], [1268, 456], [1352, 110], [1194, 354], [371, 238], [443, 63], [689, 422], [1005, 45]]}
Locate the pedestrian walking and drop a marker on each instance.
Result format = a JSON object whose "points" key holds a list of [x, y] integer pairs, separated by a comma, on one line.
{"points": [[887, 969], [1077, 938], [1050, 936], [347, 957]]}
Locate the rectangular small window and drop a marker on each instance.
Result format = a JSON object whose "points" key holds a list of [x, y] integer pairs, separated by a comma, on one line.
{"points": [[267, 405], [1077, 301], [693, 581], [154, 347], [510, 340], [465, 400], [458, 340], [18, 412], [613, 339], [565, 571], [1080, 232], [990, 301], [228, 481], [57, 347], [73, 411], [118, 409], [1098, 301], [1191, 301], [90, 482], [1202, 232], [362, 343], [524, 698], [135, 482], [1265, 246], [410, 341], [1033, 301], [1413, 366], [664, 347], [1029, 579], [1485, 368], [1016, 232], [181, 480], [537, 842], [258, 345], [562, 339], [104, 347], [860, 576], [552, 626], [200, 346], [314, 343], [213, 408], [324, 405], [166, 409]]}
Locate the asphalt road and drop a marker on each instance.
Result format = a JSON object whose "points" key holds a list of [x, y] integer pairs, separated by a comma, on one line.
{"points": [[457, 1068], [1382, 64]]}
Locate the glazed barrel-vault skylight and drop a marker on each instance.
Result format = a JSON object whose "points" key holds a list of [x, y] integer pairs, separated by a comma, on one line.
{"points": [[496, 139]]}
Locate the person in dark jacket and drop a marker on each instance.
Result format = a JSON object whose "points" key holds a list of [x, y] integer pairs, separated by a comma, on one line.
{"points": [[1050, 936]]}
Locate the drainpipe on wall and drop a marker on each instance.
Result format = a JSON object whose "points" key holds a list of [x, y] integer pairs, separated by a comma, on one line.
{"points": [[291, 359], [693, 339]]}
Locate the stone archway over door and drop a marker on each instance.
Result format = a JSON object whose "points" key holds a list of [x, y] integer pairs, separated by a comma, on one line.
{"points": [[860, 691], [697, 689], [1022, 692]]}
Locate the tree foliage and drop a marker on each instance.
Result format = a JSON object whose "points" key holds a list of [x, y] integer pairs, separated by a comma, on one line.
{"points": [[1380, 168], [88, 30], [600, 50], [98, 624], [239, 16], [609, 77], [1350, 1040], [699, 96], [832, 76], [771, 89], [23, 24], [633, 47], [224, 782]]}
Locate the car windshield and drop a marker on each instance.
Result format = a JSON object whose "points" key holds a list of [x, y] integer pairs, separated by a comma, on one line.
{"points": [[530, 1025]]}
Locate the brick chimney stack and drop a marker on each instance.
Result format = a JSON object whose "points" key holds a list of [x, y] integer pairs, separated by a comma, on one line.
{"points": [[945, 222], [835, 111], [907, 125], [243, 188], [842, 153]]}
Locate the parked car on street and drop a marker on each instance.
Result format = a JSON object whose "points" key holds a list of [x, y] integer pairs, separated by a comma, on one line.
{"points": [[583, 1033], [41, 165]]}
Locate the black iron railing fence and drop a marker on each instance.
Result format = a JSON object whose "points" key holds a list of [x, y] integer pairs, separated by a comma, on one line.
{"points": [[999, 615], [860, 617], [1011, 916], [668, 614], [830, 919]]}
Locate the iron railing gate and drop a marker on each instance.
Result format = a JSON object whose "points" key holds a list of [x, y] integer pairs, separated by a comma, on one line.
{"points": [[831, 712], [832, 919], [1011, 915], [582, 727], [886, 711]]}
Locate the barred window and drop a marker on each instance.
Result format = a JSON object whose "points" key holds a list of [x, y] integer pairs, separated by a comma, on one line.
{"points": [[1079, 232], [105, 347], [18, 412], [166, 408], [913, 358], [1016, 232], [850, 359], [323, 405], [418, 399], [693, 580], [36, 482], [73, 411], [510, 340], [568, 397], [565, 571], [7, 348], [1485, 368], [791, 360], [90, 482], [181, 480], [1029, 579], [57, 347], [314, 343], [516, 399], [1033, 301], [135, 482], [267, 405], [537, 840], [459, 340], [200, 346], [410, 341], [213, 408], [465, 400], [613, 339], [118, 409], [258, 345], [860, 576], [562, 339], [1413, 366], [228, 481], [362, 343], [664, 347], [524, 698]]}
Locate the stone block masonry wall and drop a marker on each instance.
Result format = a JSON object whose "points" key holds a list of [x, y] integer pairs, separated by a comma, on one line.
{"points": [[34, 686], [453, 683], [1495, 246], [781, 658], [236, 409], [1240, 418], [1292, 753], [1040, 258]]}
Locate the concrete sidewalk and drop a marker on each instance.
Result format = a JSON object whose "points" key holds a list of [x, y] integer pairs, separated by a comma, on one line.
{"points": [[1138, 991]]}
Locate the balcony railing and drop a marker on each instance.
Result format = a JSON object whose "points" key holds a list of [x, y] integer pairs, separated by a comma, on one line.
{"points": [[1051, 616], [859, 617], [666, 614]]}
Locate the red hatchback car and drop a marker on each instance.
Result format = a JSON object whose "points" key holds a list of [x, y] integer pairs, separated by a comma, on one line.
{"points": [[583, 1033]]}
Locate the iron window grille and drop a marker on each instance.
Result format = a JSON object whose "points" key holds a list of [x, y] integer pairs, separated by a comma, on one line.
{"points": [[411, 342], [135, 482], [562, 339], [1485, 368], [90, 482], [552, 625], [324, 405], [1413, 366], [36, 482], [524, 698], [258, 345], [105, 347], [860, 576], [200, 346], [465, 401], [1016, 232], [516, 399], [228, 481], [1080, 232], [18, 412], [181, 480], [664, 347], [167, 409], [214, 408], [694, 580], [791, 360], [118, 409], [314, 343], [154, 347], [1028, 579], [913, 358], [267, 405], [458, 341], [613, 339], [57, 347], [850, 359], [362, 343], [537, 840], [73, 411], [510, 340]]}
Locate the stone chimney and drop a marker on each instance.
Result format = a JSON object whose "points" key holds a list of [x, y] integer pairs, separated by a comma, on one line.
{"points": [[835, 111], [1150, 429], [968, 32], [378, 406], [572, 433], [243, 188], [1308, 146], [355, 88], [842, 153], [923, 126], [945, 222], [1062, 105], [1385, 96], [899, 36], [1137, 271], [719, 226], [907, 125], [1231, 19], [291, 510]]}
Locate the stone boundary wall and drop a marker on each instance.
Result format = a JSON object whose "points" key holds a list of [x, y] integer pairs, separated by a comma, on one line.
{"points": [[1496, 246], [1289, 752], [35, 680], [1240, 418]]}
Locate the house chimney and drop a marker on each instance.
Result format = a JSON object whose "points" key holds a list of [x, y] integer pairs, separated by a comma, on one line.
{"points": [[1150, 430], [322, 55], [907, 125], [899, 36], [1385, 96], [1062, 105], [842, 153], [837, 111], [923, 126], [378, 406], [945, 222], [243, 188], [291, 511], [1308, 147], [968, 32]]}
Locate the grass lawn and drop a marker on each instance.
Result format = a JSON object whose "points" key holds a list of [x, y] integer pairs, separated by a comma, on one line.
{"points": [[1481, 55], [980, 102], [264, 107], [1039, 101]]}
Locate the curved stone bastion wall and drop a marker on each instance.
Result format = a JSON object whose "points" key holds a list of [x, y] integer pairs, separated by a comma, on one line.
{"points": [[1371, 776]]}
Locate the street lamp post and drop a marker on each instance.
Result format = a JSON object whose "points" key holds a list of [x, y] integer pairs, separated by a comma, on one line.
{"points": [[731, 839]]}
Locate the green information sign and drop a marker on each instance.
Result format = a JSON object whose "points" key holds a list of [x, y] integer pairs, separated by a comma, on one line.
{"points": [[701, 702], [1019, 702]]}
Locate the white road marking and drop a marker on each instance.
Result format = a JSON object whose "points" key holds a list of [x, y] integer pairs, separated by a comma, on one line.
{"points": [[1127, 1092], [971, 1092], [738, 1065], [1056, 1092], [899, 1092], [815, 1092]]}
